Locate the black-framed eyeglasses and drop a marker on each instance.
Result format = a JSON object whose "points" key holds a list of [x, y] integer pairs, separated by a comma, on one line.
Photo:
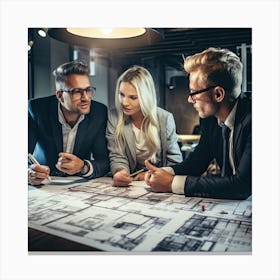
{"points": [[79, 92], [191, 94]]}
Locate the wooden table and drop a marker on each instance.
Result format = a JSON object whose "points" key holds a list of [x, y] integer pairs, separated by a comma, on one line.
{"points": [[42, 241]]}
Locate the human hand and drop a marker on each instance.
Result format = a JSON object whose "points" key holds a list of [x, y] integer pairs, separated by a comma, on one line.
{"points": [[139, 177], [158, 179], [121, 178], [37, 173], [69, 163]]}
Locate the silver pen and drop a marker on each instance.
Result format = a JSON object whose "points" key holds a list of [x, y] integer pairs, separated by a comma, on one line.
{"points": [[34, 160]]}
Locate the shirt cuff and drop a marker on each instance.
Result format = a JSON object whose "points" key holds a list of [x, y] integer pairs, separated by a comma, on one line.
{"points": [[90, 172], [178, 184]]}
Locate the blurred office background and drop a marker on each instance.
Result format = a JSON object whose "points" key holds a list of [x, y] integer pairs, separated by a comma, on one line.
{"points": [[161, 53]]}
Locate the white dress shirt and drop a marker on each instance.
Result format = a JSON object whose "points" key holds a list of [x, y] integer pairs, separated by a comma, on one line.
{"points": [[69, 136]]}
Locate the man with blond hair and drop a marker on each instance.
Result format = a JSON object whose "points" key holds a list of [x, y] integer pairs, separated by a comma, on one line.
{"points": [[215, 77]]}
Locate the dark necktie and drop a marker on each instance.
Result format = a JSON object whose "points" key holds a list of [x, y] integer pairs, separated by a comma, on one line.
{"points": [[226, 169]]}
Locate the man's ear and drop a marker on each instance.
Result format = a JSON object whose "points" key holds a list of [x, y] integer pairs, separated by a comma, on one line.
{"points": [[59, 95], [219, 94]]}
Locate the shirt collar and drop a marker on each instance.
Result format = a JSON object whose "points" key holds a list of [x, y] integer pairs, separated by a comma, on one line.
{"points": [[62, 119], [229, 122]]}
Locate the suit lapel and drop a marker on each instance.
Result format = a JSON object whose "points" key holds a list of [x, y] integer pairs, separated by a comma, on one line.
{"points": [[241, 113], [81, 135], [161, 154], [130, 139], [56, 127]]}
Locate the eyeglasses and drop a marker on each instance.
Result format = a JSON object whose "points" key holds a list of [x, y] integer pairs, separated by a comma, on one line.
{"points": [[78, 93], [191, 94]]}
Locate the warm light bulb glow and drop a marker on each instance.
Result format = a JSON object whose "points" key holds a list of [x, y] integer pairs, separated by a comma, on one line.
{"points": [[42, 33], [30, 44], [107, 33]]}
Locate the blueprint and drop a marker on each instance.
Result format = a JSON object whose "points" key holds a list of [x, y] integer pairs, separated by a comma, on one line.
{"points": [[134, 219]]}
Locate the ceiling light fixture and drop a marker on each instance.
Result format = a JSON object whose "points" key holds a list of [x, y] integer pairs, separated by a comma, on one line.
{"points": [[107, 33], [43, 32], [107, 37], [30, 44]]}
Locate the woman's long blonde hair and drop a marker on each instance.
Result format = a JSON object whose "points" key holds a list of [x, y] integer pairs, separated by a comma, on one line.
{"points": [[141, 79]]}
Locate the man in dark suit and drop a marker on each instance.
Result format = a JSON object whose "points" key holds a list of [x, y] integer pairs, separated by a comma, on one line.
{"points": [[66, 132], [215, 77]]}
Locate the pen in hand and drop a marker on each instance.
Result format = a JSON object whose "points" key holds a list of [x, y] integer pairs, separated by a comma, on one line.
{"points": [[34, 161], [138, 171]]}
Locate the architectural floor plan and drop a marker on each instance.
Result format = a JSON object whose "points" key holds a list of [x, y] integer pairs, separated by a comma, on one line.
{"points": [[134, 219]]}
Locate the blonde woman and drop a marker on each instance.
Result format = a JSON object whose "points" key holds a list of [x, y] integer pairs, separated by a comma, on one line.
{"points": [[137, 129]]}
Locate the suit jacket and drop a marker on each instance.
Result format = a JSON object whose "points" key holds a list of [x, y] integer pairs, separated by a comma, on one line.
{"points": [[168, 155], [45, 135], [237, 186]]}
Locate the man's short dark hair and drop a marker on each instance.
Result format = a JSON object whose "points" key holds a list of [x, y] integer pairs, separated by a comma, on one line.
{"points": [[63, 71]]}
